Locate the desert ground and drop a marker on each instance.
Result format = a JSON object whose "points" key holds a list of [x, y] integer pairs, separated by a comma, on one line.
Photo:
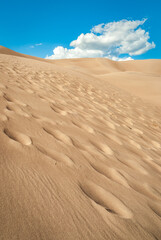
{"points": [[80, 149]]}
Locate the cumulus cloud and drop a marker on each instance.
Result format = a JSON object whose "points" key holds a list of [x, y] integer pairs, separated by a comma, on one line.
{"points": [[111, 40], [61, 52]]}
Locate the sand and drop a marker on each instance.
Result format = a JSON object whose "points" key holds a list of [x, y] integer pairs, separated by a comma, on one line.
{"points": [[80, 149]]}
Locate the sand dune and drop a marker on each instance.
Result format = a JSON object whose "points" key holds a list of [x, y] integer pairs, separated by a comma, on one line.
{"points": [[80, 148], [140, 78]]}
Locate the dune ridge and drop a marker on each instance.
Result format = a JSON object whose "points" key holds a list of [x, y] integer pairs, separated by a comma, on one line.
{"points": [[80, 148]]}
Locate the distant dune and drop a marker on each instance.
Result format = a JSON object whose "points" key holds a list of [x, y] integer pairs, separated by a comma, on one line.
{"points": [[80, 148], [141, 78], [7, 51]]}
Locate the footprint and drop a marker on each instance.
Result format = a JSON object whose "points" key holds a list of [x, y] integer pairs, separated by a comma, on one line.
{"points": [[20, 103], [138, 131], [13, 107], [113, 137], [134, 143], [42, 98], [82, 145], [59, 135], [144, 189], [83, 126], [110, 125], [156, 144], [8, 113], [57, 156], [132, 164], [155, 207], [153, 165], [103, 147], [110, 173], [19, 137], [44, 119], [50, 100], [8, 98], [3, 117], [129, 121], [106, 199], [60, 111], [11, 100]]}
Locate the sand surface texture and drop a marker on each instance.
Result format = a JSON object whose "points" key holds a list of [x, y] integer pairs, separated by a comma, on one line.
{"points": [[80, 149]]}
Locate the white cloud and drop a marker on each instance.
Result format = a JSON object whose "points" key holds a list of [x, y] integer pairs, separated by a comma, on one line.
{"points": [[119, 59], [109, 40], [36, 45], [61, 52]]}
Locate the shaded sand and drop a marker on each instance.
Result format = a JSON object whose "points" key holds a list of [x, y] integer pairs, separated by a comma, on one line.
{"points": [[80, 149]]}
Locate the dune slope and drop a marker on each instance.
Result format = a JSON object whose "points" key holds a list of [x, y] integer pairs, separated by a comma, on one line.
{"points": [[80, 151]]}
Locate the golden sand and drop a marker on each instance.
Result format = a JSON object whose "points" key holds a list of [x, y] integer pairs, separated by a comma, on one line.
{"points": [[80, 149]]}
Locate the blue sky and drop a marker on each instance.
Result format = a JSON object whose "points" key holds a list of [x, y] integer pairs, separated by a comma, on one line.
{"points": [[58, 23]]}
